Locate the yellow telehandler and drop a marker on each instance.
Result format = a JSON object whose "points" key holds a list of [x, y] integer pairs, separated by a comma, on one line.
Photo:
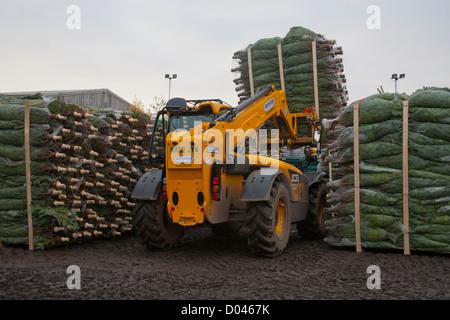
{"points": [[217, 164]]}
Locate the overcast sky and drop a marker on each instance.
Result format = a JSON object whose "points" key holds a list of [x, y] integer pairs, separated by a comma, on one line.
{"points": [[128, 46]]}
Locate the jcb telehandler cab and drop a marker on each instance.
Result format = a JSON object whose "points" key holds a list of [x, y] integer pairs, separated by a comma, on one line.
{"points": [[213, 165]]}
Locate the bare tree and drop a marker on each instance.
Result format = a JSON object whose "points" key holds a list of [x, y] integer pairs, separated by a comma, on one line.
{"points": [[153, 108], [158, 104]]}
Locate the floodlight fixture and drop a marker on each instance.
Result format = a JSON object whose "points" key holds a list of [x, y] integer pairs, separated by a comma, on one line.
{"points": [[395, 77]]}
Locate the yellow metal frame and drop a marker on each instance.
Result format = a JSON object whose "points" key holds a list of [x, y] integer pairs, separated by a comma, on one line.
{"points": [[192, 175]]}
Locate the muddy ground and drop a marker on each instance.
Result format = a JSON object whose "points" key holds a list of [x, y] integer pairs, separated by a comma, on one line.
{"points": [[206, 267]]}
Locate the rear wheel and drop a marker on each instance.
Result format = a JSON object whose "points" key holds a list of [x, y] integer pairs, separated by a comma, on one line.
{"points": [[153, 225], [313, 227], [269, 223]]}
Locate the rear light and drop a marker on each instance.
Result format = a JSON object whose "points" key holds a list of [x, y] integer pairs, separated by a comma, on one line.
{"points": [[164, 195], [216, 172]]}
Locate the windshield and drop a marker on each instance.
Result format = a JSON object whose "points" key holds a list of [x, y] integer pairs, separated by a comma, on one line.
{"points": [[187, 121]]}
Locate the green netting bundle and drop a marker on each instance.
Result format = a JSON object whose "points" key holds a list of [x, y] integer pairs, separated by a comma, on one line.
{"points": [[14, 113], [267, 44], [300, 47], [16, 137], [432, 130], [9, 167], [299, 33], [367, 133], [381, 176], [291, 61], [374, 109], [431, 97], [60, 107], [438, 115], [17, 153]]}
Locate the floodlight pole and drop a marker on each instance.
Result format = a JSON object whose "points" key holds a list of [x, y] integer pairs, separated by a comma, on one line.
{"points": [[170, 77]]}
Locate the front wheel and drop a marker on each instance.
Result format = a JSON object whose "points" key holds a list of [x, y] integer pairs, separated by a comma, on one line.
{"points": [[153, 225], [313, 227], [269, 223]]}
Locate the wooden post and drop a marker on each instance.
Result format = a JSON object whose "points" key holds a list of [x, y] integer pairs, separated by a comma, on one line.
{"points": [[406, 249], [280, 63], [315, 77], [28, 174], [250, 71], [330, 169], [356, 176]]}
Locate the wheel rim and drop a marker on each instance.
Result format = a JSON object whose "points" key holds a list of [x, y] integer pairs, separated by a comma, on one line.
{"points": [[280, 217]]}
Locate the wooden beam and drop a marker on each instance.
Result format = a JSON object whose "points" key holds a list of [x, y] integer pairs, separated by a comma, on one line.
{"points": [[280, 63], [28, 174], [330, 169], [250, 71], [406, 249], [356, 176], [315, 77], [330, 174]]}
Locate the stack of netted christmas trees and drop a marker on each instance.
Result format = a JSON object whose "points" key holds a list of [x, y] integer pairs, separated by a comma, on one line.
{"points": [[84, 166], [297, 60], [381, 183]]}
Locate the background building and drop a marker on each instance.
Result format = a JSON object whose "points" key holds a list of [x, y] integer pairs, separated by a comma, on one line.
{"points": [[90, 98]]}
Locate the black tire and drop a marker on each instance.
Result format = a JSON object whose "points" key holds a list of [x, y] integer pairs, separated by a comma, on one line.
{"points": [[153, 225], [313, 227], [269, 223]]}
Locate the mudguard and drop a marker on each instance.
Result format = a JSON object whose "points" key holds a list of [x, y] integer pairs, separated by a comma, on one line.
{"points": [[257, 186], [148, 186], [314, 177]]}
